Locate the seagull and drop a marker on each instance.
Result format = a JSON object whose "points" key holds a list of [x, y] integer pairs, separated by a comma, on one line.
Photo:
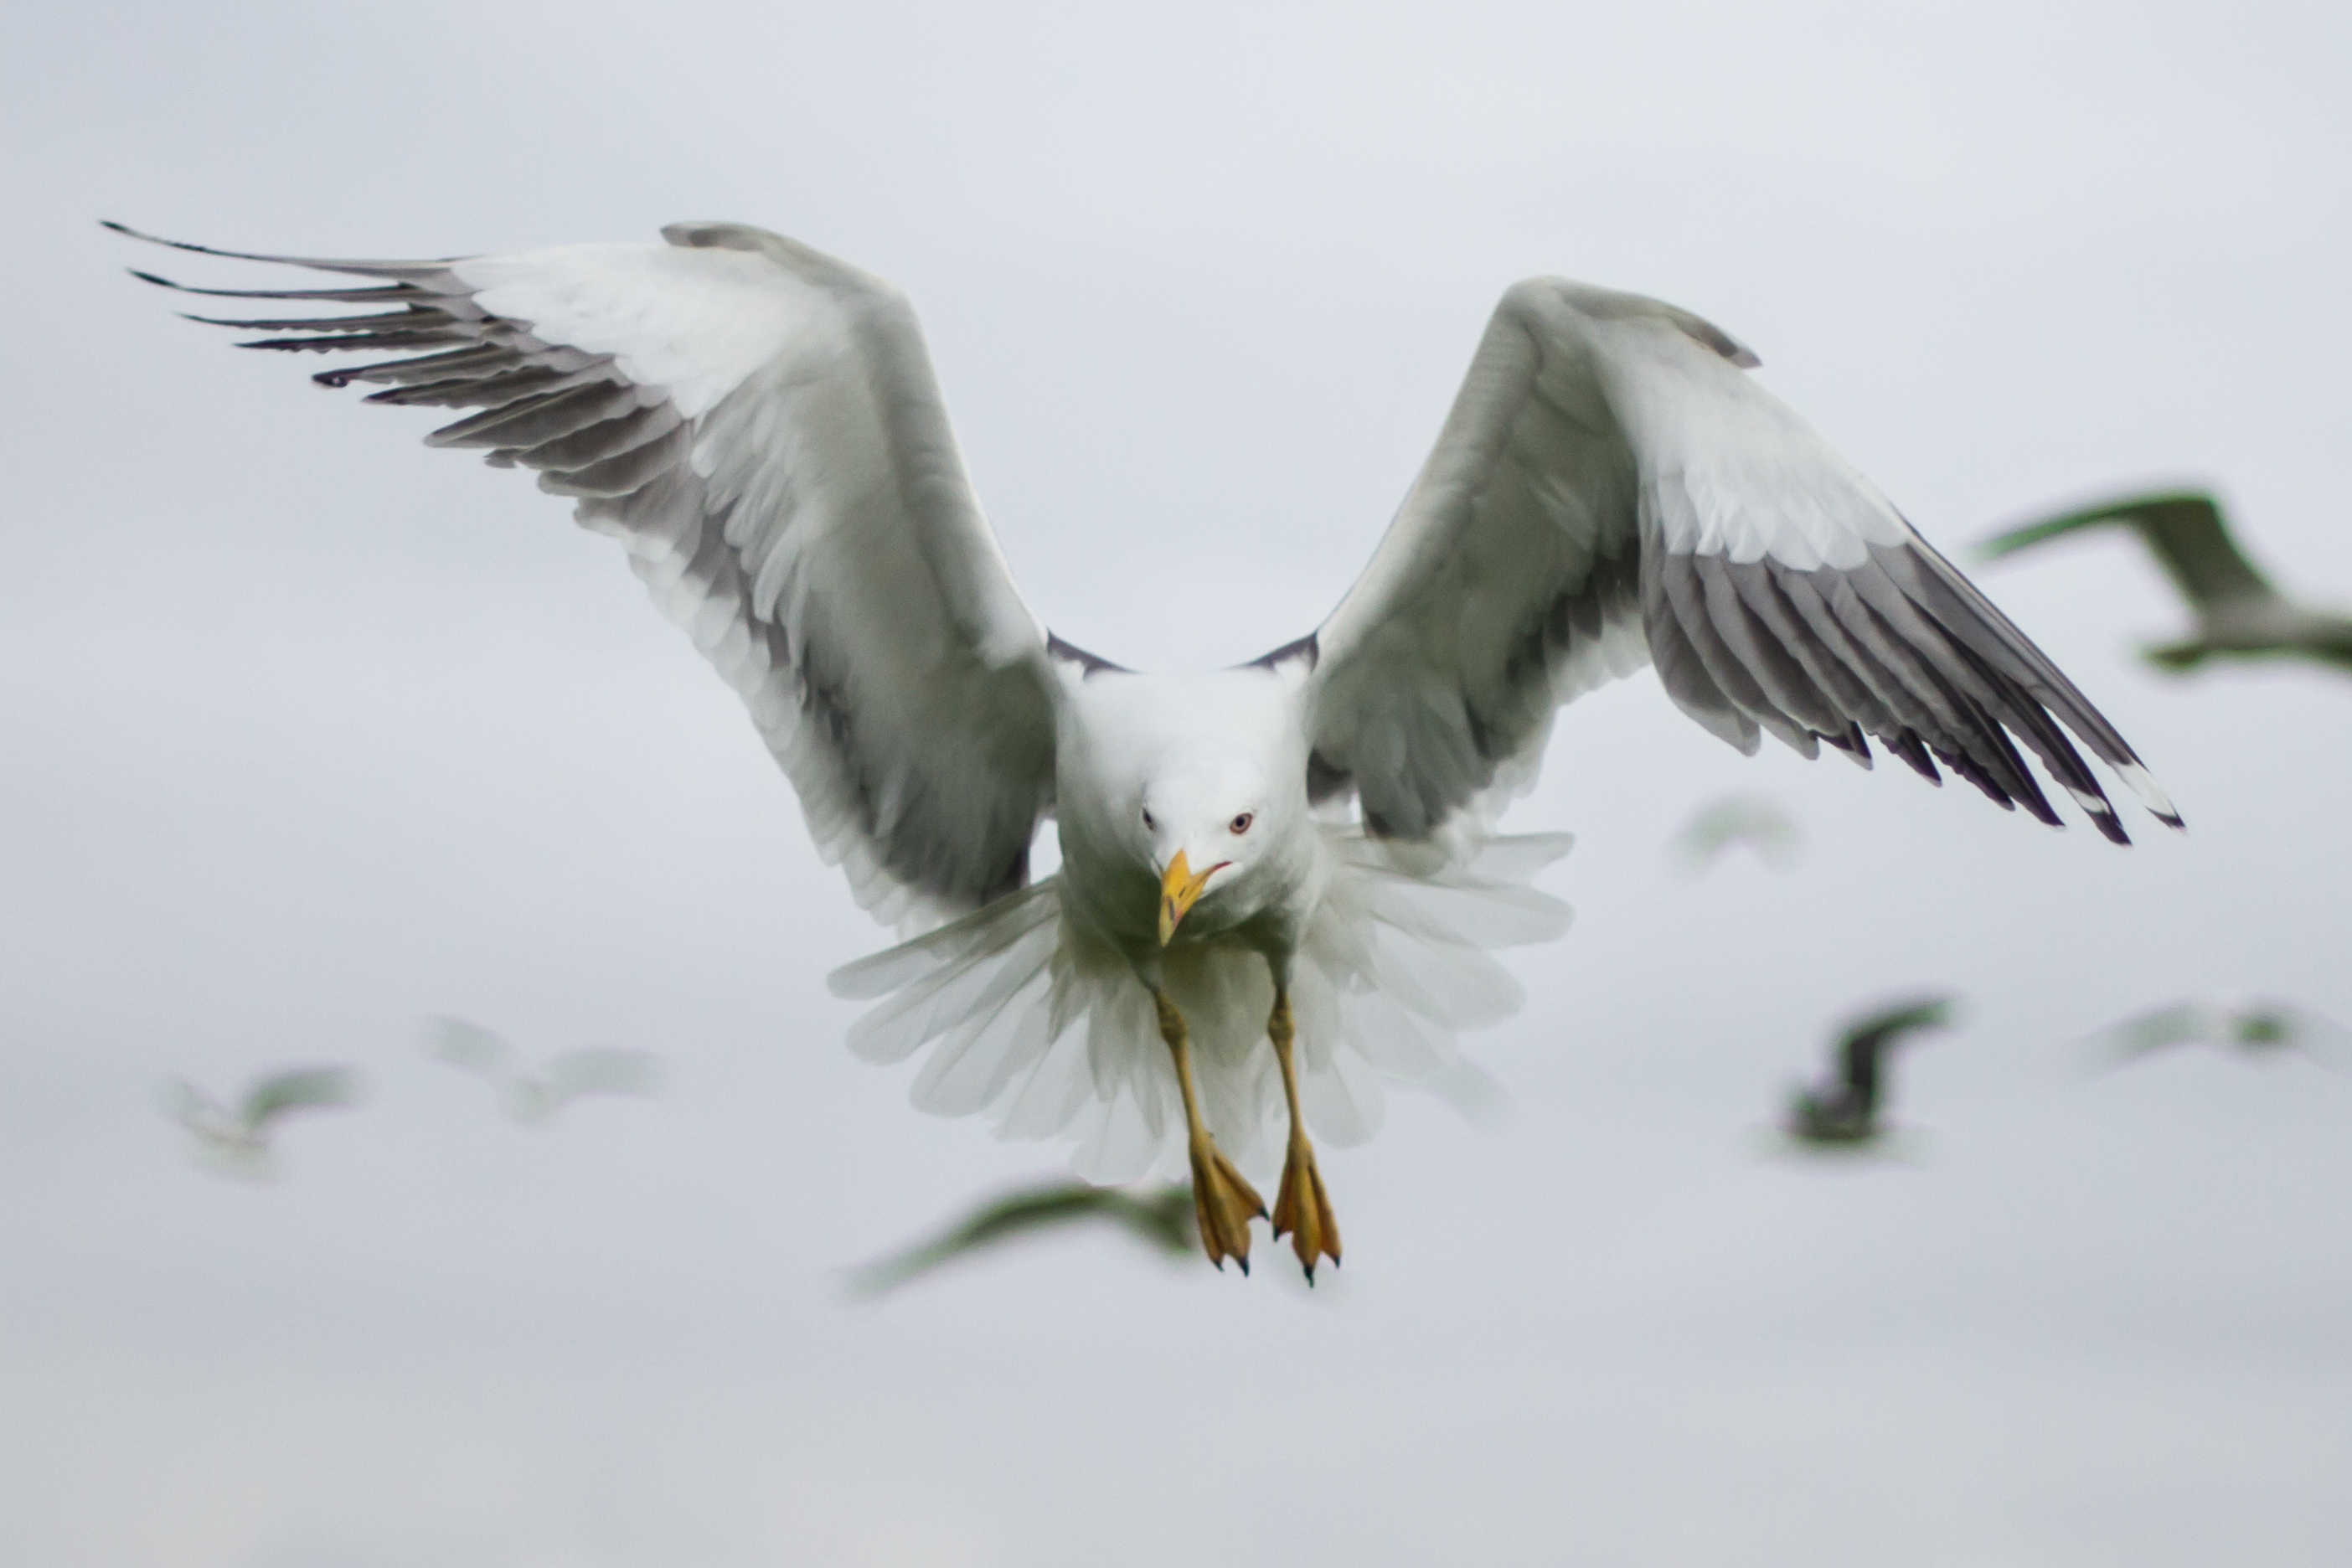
{"points": [[237, 1142], [2252, 1029], [2239, 613], [530, 1096], [1280, 883], [1162, 1217], [1844, 1113], [1753, 820]]}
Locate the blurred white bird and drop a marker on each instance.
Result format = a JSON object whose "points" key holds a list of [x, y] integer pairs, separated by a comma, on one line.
{"points": [[529, 1095], [757, 424], [1754, 821], [2247, 1027], [237, 1143]]}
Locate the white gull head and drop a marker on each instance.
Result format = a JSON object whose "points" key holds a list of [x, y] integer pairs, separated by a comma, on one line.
{"points": [[1182, 804]]}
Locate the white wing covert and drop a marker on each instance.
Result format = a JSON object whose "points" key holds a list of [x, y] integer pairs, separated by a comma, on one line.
{"points": [[759, 425], [1612, 486]]}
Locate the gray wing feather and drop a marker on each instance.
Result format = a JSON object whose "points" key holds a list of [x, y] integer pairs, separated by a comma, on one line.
{"points": [[812, 530], [1609, 485], [1498, 592]]}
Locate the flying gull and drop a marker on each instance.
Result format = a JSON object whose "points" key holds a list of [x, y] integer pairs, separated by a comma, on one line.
{"points": [[2251, 1028], [1844, 1113], [1280, 883], [529, 1095], [1757, 821], [237, 1142], [2239, 613]]}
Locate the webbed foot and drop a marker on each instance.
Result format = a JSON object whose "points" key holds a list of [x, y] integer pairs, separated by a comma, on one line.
{"points": [[1302, 1210]]}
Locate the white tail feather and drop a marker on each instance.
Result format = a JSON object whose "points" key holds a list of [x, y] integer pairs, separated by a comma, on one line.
{"points": [[1041, 1026]]}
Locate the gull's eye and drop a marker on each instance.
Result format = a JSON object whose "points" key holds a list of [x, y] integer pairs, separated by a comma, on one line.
{"points": [[1240, 824], [1146, 818]]}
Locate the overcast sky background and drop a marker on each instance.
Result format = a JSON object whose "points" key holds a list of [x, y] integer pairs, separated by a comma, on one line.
{"points": [[311, 733]]}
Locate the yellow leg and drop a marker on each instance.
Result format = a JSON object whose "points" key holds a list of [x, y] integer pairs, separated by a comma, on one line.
{"points": [[1222, 1201], [1301, 1208]]}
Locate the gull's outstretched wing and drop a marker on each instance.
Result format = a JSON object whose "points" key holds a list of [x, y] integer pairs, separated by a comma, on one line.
{"points": [[1612, 486], [301, 1089], [757, 424], [2182, 529]]}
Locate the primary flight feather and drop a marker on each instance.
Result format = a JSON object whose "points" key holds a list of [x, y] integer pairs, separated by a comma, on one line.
{"points": [[757, 424]]}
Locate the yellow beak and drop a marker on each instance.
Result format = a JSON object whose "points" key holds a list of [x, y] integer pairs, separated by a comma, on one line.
{"points": [[1180, 890]]}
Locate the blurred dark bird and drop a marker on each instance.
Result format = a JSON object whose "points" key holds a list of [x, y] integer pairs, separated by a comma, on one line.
{"points": [[1162, 1218], [1753, 821], [2247, 1027], [237, 1143], [1844, 1111], [2238, 612], [528, 1095]]}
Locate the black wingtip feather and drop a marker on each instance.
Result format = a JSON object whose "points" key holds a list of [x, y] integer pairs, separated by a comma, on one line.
{"points": [[1964, 767], [397, 339], [127, 232], [320, 263], [1853, 744], [1914, 753]]}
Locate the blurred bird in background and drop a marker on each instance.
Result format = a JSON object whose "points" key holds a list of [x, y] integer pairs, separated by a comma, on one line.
{"points": [[237, 1143], [1160, 1217], [2237, 611], [1842, 1113], [1753, 821], [529, 1095], [2244, 1027]]}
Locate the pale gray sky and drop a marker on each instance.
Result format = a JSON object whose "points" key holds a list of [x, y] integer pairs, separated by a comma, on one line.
{"points": [[313, 732]]}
